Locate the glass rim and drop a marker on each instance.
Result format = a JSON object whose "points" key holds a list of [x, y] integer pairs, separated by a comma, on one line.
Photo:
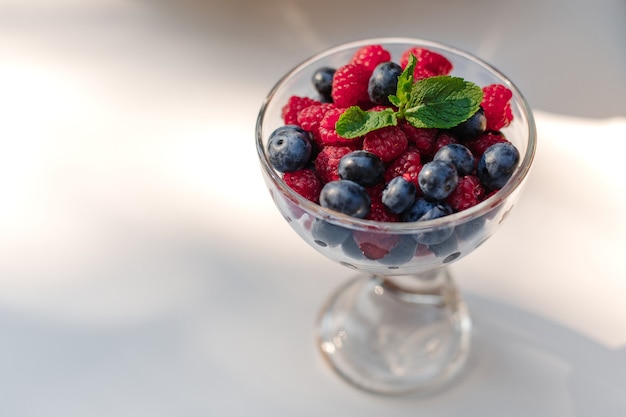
{"points": [[460, 217]]}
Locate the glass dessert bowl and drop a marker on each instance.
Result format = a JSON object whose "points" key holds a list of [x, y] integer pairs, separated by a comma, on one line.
{"points": [[400, 325]]}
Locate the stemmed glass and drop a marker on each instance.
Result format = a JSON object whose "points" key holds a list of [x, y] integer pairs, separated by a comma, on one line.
{"points": [[401, 324]]}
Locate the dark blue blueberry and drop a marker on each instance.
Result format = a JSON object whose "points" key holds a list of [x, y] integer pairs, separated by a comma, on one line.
{"points": [[447, 249], [351, 249], [289, 148], [346, 197], [402, 253], [424, 209], [459, 156], [328, 234], [399, 194], [323, 82], [383, 82], [497, 164], [362, 167], [472, 127], [437, 179]]}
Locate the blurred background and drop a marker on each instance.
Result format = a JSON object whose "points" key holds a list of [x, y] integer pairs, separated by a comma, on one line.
{"points": [[145, 272]]}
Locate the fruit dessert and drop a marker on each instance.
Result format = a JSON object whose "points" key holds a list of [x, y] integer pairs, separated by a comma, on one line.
{"points": [[393, 142]]}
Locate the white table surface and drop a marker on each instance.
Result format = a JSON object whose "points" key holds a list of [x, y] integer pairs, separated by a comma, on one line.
{"points": [[145, 272]]}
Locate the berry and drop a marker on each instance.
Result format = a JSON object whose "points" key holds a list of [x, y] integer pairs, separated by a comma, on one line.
{"points": [[423, 210], [327, 162], [479, 145], [383, 82], [350, 86], [472, 127], [437, 179], [362, 167], [428, 62], [379, 213], [323, 82], [497, 165], [459, 156], [327, 133], [346, 197], [407, 165], [399, 195], [443, 138], [423, 138], [370, 56], [496, 105], [388, 143], [305, 183], [328, 234], [289, 148], [468, 192], [375, 245], [290, 110], [310, 117], [402, 253]]}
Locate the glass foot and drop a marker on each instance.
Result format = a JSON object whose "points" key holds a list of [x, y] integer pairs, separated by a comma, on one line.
{"points": [[394, 335]]}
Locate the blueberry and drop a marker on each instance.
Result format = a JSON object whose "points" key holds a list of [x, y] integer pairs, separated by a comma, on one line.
{"points": [[459, 156], [362, 167], [399, 194], [323, 82], [402, 253], [289, 148], [437, 179], [472, 127], [327, 234], [346, 197], [423, 210], [383, 82], [497, 164]]}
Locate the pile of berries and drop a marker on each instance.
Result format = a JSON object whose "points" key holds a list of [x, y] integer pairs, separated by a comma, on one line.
{"points": [[395, 173]]}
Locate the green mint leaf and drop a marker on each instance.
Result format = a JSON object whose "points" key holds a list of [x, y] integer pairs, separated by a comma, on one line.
{"points": [[393, 99], [405, 81], [442, 102], [355, 122]]}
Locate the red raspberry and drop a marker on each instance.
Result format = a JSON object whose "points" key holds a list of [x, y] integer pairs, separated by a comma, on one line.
{"points": [[496, 104], [293, 106], [375, 245], [387, 143], [428, 62], [443, 139], [423, 138], [378, 212], [305, 182], [310, 117], [327, 162], [479, 145], [327, 133], [468, 192], [370, 56], [350, 86], [407, 165]]}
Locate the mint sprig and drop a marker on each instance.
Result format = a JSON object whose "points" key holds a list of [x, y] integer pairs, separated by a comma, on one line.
{"points": [[436, 102]]}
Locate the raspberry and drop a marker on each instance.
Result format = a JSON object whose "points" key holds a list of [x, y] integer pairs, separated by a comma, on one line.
{"points": [[327, 162], [388, 143], [479, 145], [310, 117], [305, 183], [428, 62], [407, 165], [293, 106], [350, 86], [378, 212], [423, 138], [468, 192], [370, 56], [375, 245], [443, 139], [327, 133], [497, 107]]}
